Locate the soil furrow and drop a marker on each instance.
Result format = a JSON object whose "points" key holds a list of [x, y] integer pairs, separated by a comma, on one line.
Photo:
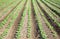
{"points": [[5, 26], [50, 20], [36, 32], [12, 31], [34, 24], [24, 28], [29, 19], [34, 28]]}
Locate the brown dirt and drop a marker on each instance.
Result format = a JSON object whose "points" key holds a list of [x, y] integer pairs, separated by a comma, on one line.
{"points": [[50, 20], [46, 29], [48, 32], [4, 26], [24, 28], [34, 33], [12, 31], [35, 30]]}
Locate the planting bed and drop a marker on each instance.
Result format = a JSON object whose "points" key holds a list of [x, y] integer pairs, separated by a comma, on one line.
{"points": [[29, 19]]}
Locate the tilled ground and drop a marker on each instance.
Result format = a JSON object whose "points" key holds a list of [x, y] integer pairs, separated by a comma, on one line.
{"points": [[34, 28]]}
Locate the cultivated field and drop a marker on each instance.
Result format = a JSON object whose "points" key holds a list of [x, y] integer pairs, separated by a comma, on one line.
{"points": [[29, 19]]}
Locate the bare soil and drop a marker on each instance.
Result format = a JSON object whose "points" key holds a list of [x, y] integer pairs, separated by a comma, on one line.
{"points": [[49, 19], [12, 31], [4, 26], [35, 31], [24, 28]]}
